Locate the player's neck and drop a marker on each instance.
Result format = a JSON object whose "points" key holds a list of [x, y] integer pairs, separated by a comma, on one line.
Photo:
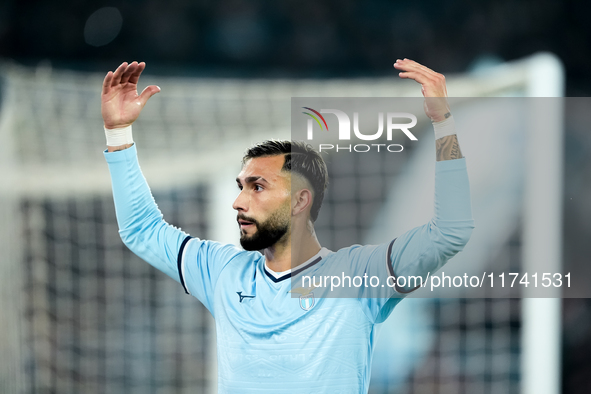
{"points": [[295, 250]]}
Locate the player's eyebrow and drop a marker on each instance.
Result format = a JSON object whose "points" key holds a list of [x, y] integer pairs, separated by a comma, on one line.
{"points": [[250, 179]]}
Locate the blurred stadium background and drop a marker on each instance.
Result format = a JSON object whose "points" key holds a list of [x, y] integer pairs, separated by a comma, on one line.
{"points": [[80, 313]]}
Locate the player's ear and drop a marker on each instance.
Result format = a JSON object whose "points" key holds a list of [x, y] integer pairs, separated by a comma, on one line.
{"points": [[301, 201]]}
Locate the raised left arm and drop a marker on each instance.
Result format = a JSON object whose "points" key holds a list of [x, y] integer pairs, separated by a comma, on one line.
{"points": [[427, 248]]}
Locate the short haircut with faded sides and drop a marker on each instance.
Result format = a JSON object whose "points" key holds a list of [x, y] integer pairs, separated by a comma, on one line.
{"points": [[300, 158]]}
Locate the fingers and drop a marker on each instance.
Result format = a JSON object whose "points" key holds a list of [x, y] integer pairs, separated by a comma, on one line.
{"points": [[417, 76], [135, 76], [128, 72], [118, 73], [408, 65], [411, 65], [107, 82], [432, 83], [148, 92], [123, 74]]}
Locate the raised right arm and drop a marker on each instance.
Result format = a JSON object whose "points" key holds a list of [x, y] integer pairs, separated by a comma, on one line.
{"points": [[141, 225], [194, 263]]}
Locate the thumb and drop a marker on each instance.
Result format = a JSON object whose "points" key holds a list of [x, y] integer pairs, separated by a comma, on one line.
{"points": [[148, 92]]}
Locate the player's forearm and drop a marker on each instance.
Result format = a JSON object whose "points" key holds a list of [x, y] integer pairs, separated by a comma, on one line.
{"points": [[452, 223], [448, 148], [452, 187], [141, 225]]}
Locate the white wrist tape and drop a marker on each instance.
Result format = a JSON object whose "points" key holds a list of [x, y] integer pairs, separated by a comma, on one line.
{"points": [[444, 128], [118, 137]]}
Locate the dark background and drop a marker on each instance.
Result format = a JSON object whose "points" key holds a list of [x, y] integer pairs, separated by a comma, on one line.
{"points": [[329, 38], [299, 38]]}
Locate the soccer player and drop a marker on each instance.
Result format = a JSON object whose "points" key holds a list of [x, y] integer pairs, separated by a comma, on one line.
{"points": [[273, 337]]}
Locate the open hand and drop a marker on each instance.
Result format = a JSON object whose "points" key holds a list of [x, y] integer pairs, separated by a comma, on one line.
{"points": [[120, 103], [432, 87]]}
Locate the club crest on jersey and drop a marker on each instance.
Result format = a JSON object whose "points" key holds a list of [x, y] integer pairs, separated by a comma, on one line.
{"points": [[307, 299]]}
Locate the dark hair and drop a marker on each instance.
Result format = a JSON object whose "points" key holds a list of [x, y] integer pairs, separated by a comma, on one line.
{"points": [[300, 158]]}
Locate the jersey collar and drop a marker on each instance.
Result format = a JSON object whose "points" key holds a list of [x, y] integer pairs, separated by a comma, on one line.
{"points": [[279, 276]]}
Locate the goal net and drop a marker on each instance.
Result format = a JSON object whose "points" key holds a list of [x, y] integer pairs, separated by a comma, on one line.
{"points": [[80, 313]]}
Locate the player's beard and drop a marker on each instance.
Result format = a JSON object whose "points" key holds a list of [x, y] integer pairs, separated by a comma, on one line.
{"points": [[268, 232]]}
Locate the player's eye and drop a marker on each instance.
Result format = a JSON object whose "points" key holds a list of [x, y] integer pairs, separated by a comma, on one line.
{"points": [[239, 186], [258, 188]]}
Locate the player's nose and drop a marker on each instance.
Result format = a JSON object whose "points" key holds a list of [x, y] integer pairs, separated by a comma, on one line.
{"points": [[241, 202]]}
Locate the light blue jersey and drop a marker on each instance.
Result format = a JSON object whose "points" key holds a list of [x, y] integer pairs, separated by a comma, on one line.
{"points": [[279, 332]]}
